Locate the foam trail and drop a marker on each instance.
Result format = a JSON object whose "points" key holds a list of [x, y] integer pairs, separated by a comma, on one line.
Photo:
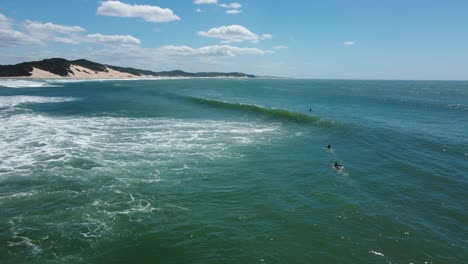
{"points": [[20, 83], [155, 78], [12, 101], [377, 253]]}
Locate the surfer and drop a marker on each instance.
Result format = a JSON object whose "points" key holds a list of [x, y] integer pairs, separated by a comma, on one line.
{"points": [[310, 109], [338, 166], [329, 147]]}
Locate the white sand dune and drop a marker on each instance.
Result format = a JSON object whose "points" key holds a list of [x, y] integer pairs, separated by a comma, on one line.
{"points": [[79, 72], [38, 73]]}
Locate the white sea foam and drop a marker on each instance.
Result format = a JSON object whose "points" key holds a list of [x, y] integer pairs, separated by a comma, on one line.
{"points": [[19, 195], [377, 253], [20, 240], [11, 101], [108, 143], [114, 79], [21, 83], [109, 158], [25, 242]]}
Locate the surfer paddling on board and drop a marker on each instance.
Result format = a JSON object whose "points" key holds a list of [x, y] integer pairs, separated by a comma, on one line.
{"points": [[338, 166]]}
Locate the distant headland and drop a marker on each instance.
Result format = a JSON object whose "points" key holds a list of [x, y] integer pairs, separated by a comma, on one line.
{"points": [[85, 69]]}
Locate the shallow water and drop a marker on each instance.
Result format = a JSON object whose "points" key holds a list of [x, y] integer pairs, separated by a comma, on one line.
{"points": [[225, 171]]}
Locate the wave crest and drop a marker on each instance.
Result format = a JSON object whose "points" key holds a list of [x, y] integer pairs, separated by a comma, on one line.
{"points": [[278, 113], [18, 83]]}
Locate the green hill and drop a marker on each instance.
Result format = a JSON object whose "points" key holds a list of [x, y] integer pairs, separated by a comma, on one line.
{"points": [[61, 67]]}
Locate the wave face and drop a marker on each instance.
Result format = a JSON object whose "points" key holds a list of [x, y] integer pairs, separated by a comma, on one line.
{"points": [[279, 114], [222, 171]]}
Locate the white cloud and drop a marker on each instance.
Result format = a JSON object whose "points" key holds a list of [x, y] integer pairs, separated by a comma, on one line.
{"points": [[349, 43], [50, 28], [234, 11], [280, 47], [215, 50], [206, 58], [154, 14], [54, 32], [5, 22], [233, 33], [10, 37], [198, 10], [113, 39], [231, 5], [203, 2], [66, 40], [42, 33]]}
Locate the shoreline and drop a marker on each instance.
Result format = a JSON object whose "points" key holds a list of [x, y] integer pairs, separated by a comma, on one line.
{"points": [[35, 82], [30, 78], [77, 72]]}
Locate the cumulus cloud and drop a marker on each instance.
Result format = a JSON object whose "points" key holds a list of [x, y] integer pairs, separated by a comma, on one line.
{"points": [[234, 11], [233, 33], [215, 50], [349, 43], [43, 33], [50, 28], [154, 14], [53, 32], [10, 37], [231, 5], [204, 2], [113, 39], [198, 10]]}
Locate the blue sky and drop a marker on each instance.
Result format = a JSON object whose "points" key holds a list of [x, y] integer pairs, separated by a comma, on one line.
{"points": [[345, 39]]}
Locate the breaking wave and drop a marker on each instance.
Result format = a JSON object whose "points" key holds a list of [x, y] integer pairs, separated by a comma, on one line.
{"points": [[277, 113], [20, 83], [17, 100]]}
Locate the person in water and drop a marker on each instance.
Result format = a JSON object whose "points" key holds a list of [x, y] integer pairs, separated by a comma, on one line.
{"points": [[328, 147], [338, 166]]}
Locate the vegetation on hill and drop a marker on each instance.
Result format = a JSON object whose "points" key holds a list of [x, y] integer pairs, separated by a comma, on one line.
{"points": [[61, 67]]}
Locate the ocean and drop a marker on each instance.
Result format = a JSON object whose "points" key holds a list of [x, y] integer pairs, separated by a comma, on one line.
{"points": [[233, 171]]}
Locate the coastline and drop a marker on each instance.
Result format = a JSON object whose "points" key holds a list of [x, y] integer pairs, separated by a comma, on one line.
{"points": [[136, 78], [81, 69], [80, 73], [37, 82]]}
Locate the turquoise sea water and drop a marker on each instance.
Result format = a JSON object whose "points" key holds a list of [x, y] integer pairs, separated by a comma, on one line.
{"points": [[233, 171]]}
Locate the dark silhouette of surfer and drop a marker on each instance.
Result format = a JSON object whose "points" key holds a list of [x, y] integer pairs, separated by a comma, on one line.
{"points": [[338, 166], [328, 147]]}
